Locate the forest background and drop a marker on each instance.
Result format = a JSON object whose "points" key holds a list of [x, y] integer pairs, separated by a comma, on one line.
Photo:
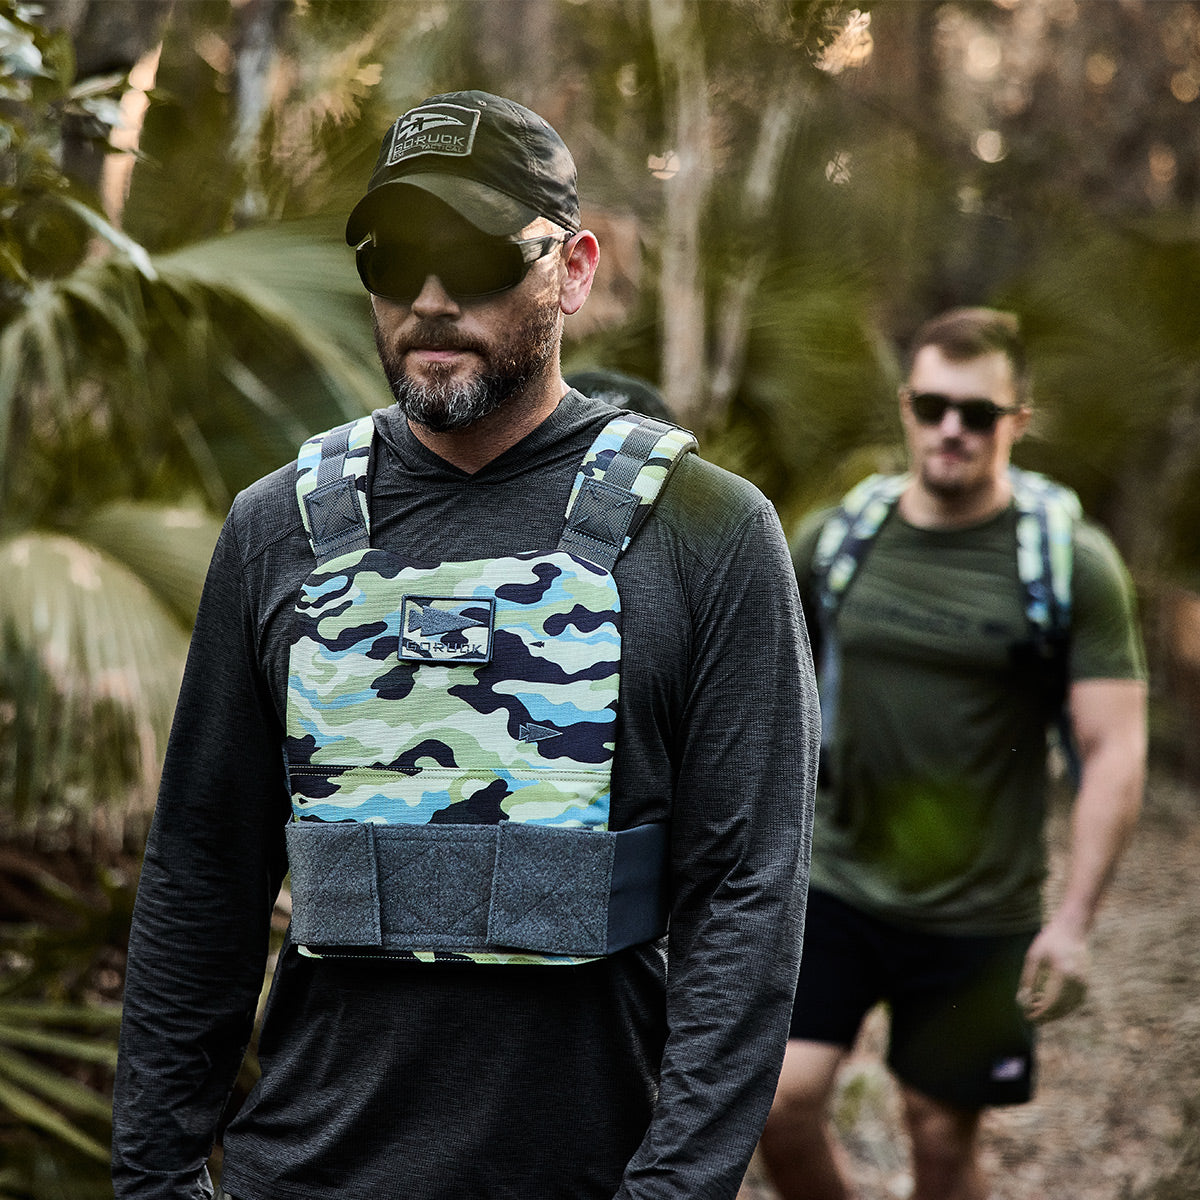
{"points": [[782, 189]]}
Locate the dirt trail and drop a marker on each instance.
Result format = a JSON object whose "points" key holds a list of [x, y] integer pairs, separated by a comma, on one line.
{"points": [[1117, 1079]]}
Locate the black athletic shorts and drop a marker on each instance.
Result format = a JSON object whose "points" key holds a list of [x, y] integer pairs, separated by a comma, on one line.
{"points": [[956, 1031]]}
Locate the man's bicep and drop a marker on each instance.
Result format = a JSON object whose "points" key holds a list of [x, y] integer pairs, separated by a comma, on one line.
{"points": [[1109, 715]]}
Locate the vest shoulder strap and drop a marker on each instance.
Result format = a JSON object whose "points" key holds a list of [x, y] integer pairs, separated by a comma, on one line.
{"points": [[331, 489], [618, 482]]}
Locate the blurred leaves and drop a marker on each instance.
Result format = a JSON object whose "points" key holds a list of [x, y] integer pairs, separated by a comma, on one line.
{"points": [[138, 394], [58, 1024], [90, 671]]}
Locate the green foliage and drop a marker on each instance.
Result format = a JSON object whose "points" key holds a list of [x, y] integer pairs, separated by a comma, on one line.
{"points": [[1119, 382], [57, 1031], [137, 395], [44, 232]]}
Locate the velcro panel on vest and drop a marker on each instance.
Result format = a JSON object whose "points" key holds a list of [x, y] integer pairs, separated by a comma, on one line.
{"points": [[618, 483], [471, 887], [337, 880], [600, 522], [334, 518], [331, 475]]}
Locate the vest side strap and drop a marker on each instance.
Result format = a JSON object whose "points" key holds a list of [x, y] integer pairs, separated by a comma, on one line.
{"points": [[474, 887]]}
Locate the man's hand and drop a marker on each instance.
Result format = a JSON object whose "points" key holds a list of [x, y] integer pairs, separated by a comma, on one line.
{"points": [[1054, 981]]}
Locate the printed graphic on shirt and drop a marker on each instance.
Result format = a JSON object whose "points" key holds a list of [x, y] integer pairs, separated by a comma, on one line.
{"points": [[1010, 1070], [526, 736]]}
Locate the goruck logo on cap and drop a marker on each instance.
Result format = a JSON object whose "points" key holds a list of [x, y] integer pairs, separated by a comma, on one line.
{"points": [[433, 129]]}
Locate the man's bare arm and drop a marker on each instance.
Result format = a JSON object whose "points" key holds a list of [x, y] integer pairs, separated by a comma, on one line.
{"points": [[1108, 717]]}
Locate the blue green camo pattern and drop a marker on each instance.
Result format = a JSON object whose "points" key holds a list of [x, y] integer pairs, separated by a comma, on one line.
{"points": [[528, 736]]}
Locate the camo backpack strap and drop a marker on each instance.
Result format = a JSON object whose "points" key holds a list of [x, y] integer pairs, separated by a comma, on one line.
{"points": [[331, 489], [847, 533], [843, 541], [618, 482], [1046, 517]]}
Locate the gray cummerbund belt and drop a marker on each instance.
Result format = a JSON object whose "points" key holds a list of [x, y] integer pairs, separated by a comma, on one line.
{"points": [[477, 887]]}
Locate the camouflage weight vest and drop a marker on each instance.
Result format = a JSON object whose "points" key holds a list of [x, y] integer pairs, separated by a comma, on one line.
{"points": [[451, 727]]}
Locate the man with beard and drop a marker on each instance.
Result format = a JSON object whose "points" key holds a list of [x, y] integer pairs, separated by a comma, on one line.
{"points": [[519, 690], [942, 666]]}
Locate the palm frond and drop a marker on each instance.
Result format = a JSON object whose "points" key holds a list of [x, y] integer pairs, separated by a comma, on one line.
{"points": [[157, 339], [91, 664]]}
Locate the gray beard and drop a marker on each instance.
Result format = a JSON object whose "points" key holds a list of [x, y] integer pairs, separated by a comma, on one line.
{"points": [[443, 405]]}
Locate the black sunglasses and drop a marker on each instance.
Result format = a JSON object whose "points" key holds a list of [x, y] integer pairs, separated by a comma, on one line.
{"points": [[468, 270], [977, 415]]}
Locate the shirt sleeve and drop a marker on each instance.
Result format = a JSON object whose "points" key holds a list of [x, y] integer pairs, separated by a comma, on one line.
{"points": [[1106, 641], [213, 866], [741, 832]]}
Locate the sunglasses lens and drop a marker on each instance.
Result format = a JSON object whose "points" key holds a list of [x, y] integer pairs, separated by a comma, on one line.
{"points": [[480, 268], [397, 270], [388, 272], [978, 416], [928, 408]]}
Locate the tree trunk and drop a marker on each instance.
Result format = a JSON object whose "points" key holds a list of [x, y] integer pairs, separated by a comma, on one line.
{"points": [[681, 280], [258, 26]]}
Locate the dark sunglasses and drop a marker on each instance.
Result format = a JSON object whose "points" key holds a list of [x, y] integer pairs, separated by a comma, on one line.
{"points": [[468, 270], [979, 416]]}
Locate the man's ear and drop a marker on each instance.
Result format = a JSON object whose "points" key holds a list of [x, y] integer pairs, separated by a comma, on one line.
{"points": [[581, 258], [1022, 419]]}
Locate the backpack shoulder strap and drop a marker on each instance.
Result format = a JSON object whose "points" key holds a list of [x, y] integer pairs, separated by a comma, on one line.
{"points": [[1046, 517], [844, 540], [619, 480], [848, 532], [331, 489]]}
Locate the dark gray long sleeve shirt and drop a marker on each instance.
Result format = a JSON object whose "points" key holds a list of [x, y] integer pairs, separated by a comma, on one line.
{"points": [[461, 1081]]}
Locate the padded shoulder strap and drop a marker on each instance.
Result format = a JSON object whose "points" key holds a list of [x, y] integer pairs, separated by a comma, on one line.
{"points": [[1046, 516], [331, 489], [618, 482], [843, 541], [847, 533]]}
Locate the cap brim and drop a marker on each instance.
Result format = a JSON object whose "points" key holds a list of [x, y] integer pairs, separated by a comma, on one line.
{"points": [[491, 212]]}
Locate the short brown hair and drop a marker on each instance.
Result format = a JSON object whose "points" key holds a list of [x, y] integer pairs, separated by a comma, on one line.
{"points": [[966, 333]]}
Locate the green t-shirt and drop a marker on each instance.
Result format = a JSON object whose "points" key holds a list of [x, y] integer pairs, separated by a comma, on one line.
{"points": [[933, 808]]}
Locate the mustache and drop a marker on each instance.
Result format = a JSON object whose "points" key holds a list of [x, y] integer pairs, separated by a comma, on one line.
{"points": [[437, 335]]}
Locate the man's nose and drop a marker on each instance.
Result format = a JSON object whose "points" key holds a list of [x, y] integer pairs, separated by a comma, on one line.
{"points": [[951, 424], [433, 299]]}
